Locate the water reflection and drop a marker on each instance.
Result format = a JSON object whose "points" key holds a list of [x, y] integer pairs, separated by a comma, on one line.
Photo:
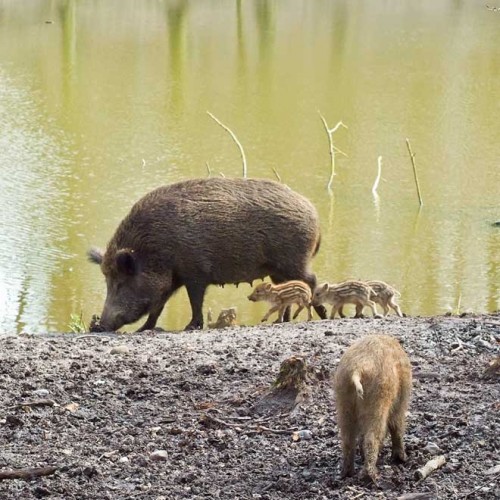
{"points": [[109, 101]]}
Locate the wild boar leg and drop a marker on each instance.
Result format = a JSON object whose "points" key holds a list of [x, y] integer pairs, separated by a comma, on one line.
{"points": [[299, 309], [372, 440], [271, 311], [341, 311], [152, 319], [310, 279], [372, 306], [335, 309], [278, 279], [196, 292], [397, 421], [359, 311], [395, 307], [348, 427]]}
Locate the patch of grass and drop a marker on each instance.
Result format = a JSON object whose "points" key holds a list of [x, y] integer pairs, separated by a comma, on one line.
{"points": [[77, 324]]}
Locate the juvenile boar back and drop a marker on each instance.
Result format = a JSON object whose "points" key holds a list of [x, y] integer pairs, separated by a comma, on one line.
{"points": [[203, 232], [372, 388]]}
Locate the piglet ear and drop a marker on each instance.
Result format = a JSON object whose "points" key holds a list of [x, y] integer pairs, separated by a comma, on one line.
{"points": [[268, 287], [324, 288], [95, 255], [126, 261]]}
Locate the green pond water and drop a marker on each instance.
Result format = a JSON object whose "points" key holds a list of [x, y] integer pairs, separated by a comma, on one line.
{"points": [[102, 101]]}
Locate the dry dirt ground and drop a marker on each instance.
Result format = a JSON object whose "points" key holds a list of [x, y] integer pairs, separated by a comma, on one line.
{"points": [[173, 415]]}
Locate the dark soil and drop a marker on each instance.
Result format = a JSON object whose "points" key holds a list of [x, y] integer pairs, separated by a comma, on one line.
{"points": [[203, 401]]}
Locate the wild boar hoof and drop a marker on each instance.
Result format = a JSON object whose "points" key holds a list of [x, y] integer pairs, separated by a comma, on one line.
{"points": [[368, 477], [399, 457], [378, 316], [347, 472], [194, 326]]}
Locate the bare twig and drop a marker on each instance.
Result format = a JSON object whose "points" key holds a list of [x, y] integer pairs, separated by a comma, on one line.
{"points": [[412, 157], [81, 337], [277, 175], [429, 467], [39, 402], [377, 180], [333, 149], [209, 170], [27, 473], [243, 157], [246, 429], [475, 490], [424, 375], [460, 345]]}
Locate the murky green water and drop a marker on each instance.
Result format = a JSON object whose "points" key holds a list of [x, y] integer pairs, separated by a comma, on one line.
{"points": [[108, 100]]}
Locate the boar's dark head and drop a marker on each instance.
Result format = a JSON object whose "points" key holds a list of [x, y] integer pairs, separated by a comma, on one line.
{"points": [[132, 289]]}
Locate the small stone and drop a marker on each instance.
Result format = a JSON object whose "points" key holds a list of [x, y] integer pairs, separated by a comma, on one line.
{"points": [[303, 434], [328, 333], [159, 455], [41, 392], [72, 407], [433, 449], [123, 460], [120, 349], [493, 470]]}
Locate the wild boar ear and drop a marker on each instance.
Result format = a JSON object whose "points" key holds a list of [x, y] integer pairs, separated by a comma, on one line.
{"points": [[95, 255], [268, 287], [324, 288], [126, 261]]}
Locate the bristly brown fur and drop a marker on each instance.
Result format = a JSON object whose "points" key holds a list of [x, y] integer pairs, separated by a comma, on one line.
{"points": [[376, 368], [203, 232]]}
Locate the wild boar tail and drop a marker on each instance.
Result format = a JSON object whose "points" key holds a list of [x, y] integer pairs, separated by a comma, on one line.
{"points": [[356, 380]]}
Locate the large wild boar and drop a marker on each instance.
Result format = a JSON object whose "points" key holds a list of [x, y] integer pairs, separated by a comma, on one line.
{"points": [[205, 232], [372, 389]]}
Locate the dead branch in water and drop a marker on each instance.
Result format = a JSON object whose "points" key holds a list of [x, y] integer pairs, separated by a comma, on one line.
{"points": [[243, 157], [377, 180], [412, 157], [277, 175], [333, 149]]}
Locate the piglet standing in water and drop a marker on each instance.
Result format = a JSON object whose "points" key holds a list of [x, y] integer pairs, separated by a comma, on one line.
{"points": [[205, 232], [372, 388]]}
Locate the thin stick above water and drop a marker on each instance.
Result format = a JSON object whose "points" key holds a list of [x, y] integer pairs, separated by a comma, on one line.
{"points": [[377, 180], [412, 157], [243, 157], [333, 149]]}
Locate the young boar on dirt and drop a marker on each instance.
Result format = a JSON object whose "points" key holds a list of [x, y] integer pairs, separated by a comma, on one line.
{"points": [[204, 232], [382, 294], [282, 296], [348, 292], [372, 388]]}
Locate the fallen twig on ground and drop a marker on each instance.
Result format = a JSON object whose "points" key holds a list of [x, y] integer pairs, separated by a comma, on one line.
{"points": [[28, 473], [39, 402], [429, 467]]}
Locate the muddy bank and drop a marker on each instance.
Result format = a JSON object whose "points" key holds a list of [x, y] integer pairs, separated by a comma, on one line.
{"points": [[172, 415]]}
